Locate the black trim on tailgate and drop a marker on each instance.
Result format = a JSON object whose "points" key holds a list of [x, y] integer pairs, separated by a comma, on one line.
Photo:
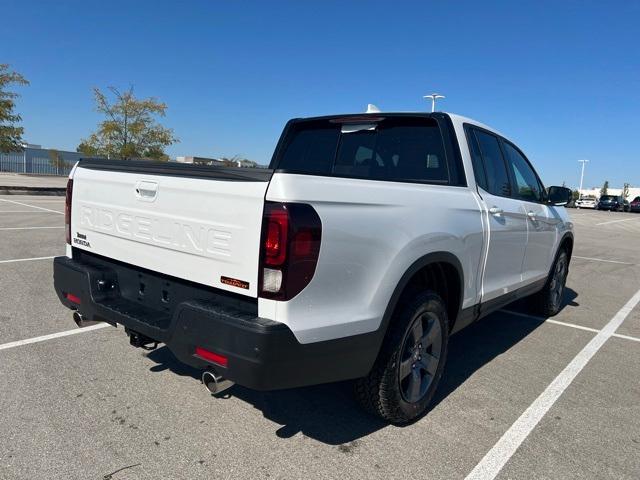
{"points": [[175, 169]]}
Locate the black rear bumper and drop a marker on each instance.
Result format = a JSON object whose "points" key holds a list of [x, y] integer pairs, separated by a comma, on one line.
{"points": [[261, 354]]}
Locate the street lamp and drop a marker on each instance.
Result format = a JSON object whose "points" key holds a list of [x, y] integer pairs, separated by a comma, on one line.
{"points": [[433, 97], [583, 162]]}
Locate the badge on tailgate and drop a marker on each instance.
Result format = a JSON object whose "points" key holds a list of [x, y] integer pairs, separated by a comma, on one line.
{"points": [[234, 282]]}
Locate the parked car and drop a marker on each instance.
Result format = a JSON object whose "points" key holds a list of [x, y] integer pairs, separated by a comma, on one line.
{"points": [[634, 206], [367, 243], [586, 202], [614, 203]]}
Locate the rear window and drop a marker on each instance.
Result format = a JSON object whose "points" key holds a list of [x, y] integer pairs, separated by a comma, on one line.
{"points": [[394, 149], [607, 198]]}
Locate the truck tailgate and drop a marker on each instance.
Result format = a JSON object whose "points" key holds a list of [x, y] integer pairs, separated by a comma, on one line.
{"points": [[200, 224]]}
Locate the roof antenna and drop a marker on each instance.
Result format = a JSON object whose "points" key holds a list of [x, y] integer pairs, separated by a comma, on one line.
{"points": [[371, 108], [433, 97]]}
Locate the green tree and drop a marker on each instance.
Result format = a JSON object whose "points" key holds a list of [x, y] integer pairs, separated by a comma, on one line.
{"points": [[625, 191], [575, 195], [56, 160], [87, 149], [605, 188], [130, 129], [10, 133]]}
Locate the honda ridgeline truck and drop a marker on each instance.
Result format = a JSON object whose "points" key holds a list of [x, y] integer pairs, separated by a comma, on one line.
{"points": [[368, 242]]}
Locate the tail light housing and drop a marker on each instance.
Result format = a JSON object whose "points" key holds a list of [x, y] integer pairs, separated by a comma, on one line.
{"points": [[290, 245], [67, 210]]}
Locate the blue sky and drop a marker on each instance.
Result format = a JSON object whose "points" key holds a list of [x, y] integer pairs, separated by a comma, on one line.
{"points": [[561, 78]]}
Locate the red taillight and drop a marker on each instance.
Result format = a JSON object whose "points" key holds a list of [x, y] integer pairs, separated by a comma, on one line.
{"points": [[212, 356], [72, 298], [275, 243], [291, 234], [67, 210]]}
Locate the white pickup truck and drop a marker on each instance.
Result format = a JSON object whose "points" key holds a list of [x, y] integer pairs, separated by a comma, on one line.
{"points": [[369, 240]]}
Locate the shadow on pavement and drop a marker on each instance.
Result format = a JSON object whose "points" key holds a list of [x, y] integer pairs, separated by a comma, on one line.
{"points": [[329, 413]]}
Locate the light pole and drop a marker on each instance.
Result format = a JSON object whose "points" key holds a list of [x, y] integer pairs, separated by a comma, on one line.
{"points": [[583, 162], [433, 97]]}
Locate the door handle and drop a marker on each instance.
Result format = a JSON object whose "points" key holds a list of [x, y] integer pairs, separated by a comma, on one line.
{"points": [[531, 215], [496, 211], [146, 191]]}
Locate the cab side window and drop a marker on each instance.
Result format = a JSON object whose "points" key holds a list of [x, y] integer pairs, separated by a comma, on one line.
{"points": [[527, 187], [495, 170], [476, 159]]}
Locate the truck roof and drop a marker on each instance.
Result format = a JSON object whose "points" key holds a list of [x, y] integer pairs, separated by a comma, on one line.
{"points": [[454, 117]]}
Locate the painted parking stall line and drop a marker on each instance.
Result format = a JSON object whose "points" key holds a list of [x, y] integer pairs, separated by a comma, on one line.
{"points": [[503, 450], [27, 228], [548, 320], [16, 260], [567, 324], [626, 337], [32, 206], [44, 338], [601, 260], [59, 200], [616, 221], [22, 211]]}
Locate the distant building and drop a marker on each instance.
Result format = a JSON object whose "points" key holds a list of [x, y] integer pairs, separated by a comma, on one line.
{"points": [[34, 159], [248, 163], [223, 162], [200, 160]]}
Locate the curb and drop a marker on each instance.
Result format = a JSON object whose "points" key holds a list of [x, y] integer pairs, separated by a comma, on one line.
{"points": [[17, 190]]}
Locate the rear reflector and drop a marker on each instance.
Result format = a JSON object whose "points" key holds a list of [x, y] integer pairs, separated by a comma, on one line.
{"points": [[212, 356], [72, 298]]}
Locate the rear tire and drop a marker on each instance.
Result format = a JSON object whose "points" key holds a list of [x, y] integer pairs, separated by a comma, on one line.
{"points": [[409, 366], [548, 301]]}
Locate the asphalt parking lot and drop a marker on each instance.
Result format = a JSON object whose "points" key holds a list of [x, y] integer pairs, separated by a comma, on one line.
{"points": [[542, 399]]}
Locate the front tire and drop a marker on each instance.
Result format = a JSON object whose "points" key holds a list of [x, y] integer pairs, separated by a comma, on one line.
{"points": [[548, 301], [408, 369]]}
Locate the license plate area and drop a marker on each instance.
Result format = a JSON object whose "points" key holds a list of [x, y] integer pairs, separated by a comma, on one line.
{"points": [[153, 292]]}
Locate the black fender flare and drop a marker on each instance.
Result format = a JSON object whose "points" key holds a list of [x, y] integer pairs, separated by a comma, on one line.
{"points": [[420, 263], [565, 236]]}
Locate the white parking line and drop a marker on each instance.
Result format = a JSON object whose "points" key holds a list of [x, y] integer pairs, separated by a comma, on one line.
{"points": [[626, 337], [615, 221], [601, 260], [22, 211], [32, 206], [26, 259], [51, 336], [26, 228], [33, 200], [567, 324], [556, 322], [503, 450]]}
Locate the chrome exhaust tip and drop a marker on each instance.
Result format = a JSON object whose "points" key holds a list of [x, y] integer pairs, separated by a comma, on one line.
{"points": [[215, 383], [81, 320]]}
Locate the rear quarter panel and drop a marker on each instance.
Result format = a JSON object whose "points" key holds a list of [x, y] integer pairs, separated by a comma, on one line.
{"points": [[372, 232]]}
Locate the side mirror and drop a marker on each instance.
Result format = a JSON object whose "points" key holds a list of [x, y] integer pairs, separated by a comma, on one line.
{"points": [[559, 196]]}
